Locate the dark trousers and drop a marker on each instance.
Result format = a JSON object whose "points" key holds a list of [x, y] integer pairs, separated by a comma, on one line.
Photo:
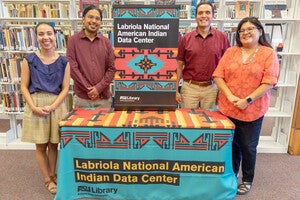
{"points": [[244, 144]]}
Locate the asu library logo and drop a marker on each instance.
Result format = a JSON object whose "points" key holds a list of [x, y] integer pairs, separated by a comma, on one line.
{"points": [[129, 98]]}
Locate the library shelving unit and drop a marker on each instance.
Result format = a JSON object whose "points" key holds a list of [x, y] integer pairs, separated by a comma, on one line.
{"points": [[285, 92], [20, 16]]}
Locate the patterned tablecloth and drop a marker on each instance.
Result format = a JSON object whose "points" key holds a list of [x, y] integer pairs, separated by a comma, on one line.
{"points": [[134, 155]]}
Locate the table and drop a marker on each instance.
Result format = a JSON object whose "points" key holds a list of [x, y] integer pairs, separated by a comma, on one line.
{"points": [[145, 155]]}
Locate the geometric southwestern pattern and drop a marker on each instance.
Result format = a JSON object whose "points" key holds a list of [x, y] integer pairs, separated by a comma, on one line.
{"points": [[145, 48], [93, 139], [179, 118], [133, 138]]}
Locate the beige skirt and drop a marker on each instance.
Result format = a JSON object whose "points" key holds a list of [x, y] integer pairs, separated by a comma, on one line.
{"points": [[41, 130]]}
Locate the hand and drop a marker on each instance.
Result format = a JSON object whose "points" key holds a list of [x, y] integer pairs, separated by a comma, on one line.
{"points": [[93, 93], [41, 111], [48, 109], [178, 98], [233, 99], [241, 104]]}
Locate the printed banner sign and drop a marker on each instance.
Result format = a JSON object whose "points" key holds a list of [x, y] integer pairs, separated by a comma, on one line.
{"points": [[181, 154], [145, 43]]}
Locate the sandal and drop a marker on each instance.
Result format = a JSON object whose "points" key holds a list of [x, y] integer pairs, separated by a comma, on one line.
{"points": [[51, 186], [244, 188], [54, 178]]}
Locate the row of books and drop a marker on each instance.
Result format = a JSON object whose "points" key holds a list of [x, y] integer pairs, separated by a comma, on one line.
{"points": [[37, 10], [24, 39], [105, 7], [10, 71], [273, 33], [49, 10], [18, 39], [272, 38], [12, 98], [244, 8], [233, 9]]}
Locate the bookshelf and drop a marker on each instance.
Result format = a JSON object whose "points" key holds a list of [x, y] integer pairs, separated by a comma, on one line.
{"points": [[15, 20]]}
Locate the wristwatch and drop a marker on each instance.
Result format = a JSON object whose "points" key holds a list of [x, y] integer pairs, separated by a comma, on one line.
{"points": [[249, 100]]}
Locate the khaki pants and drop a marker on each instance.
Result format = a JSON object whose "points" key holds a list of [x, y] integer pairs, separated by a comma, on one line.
{"points": [[103, 103], [195, 96]]}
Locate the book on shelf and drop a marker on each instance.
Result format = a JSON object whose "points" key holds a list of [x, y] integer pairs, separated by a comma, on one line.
{"points": [[63, 10], [106, 9], [85, 3], [1, 40], [12, 101], [242, 9], [61, 40], [10, 71], [4, 11], [14, 68], [117, 2], [6, 39], [4, 71], [164, 2], [275, 34], [230, 11], [185, 11], [231, 34], [275, 10], [194, 4], [36, 10], [193, 8]]}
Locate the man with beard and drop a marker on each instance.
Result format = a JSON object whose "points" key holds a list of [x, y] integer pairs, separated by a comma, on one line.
{"points": [[91, 58]]}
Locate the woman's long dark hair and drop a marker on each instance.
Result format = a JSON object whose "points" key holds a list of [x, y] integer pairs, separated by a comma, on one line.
{"points": [[253, 20]]}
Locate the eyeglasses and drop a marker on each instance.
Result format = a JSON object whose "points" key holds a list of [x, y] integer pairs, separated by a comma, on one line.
{"points": [[91, 17], [248, 30]]}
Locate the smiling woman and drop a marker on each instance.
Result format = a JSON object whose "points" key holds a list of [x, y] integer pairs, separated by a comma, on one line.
{"points": [[45, 80], [244, 76]]}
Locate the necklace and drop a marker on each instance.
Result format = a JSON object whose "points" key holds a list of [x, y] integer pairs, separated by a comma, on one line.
{"points": [[252, 57], [47, 59]]}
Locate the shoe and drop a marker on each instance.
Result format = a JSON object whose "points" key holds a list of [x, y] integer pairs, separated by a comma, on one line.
{"points": [[54, 178], [51, 186], [244, 188]]}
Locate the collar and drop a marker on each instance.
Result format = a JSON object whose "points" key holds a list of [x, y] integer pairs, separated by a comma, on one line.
{"points": [[82, 34], [211, 32]]}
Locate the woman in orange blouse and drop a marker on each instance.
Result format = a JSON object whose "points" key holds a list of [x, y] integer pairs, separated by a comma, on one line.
{"points": [[244, 76]]}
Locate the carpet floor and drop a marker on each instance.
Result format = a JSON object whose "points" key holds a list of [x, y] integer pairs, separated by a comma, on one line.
{"points": [[277, 177]]}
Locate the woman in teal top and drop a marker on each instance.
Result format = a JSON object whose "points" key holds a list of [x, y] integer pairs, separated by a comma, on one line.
{"points": [[45, 81]]}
